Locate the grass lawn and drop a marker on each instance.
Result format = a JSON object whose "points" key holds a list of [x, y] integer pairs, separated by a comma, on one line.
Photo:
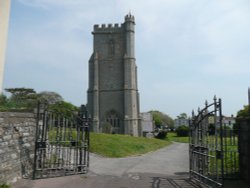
{"points": [[174, 138], [111, 145], [115, 145]]}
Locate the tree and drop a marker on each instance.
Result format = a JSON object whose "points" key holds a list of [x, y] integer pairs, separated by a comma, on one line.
{"points": [[245, 112], [182, 131], [49, 97], [22, 97], [162, 119], [21, 93], [183, 115], [3, 99], [66, 109]]}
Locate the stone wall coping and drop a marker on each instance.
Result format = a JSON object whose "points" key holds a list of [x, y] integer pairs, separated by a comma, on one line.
{"points": [[17, 114]]}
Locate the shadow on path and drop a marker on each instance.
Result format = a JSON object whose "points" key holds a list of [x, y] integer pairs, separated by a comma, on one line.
{"points": [[130, 180]]}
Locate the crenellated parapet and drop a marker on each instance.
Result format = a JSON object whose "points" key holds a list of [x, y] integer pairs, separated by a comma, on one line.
{"points": [[103, 28], [129, 18]]}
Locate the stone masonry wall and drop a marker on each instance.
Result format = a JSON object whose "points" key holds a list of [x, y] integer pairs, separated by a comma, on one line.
{"points": [[244, 148], [17, 135]]}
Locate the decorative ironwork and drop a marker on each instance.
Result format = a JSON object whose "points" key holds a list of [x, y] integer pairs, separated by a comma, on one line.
{"points": [[62, 143], [214, 155], [206, 146]]}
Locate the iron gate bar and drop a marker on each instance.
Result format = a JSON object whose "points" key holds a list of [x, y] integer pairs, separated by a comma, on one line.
{"points": [[62, 143], [205, 151], [205, 177], [214, 154]]}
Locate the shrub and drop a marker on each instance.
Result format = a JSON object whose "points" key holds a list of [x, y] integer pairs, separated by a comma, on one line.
{"points": [[182, 131], [245, 112], [4, 186], [64, 108], [3, 99], [161, 134]]}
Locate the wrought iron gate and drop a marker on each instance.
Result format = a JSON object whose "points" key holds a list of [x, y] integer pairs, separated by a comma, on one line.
{"points": [[206, 147], [214, 154], [62, 143]]}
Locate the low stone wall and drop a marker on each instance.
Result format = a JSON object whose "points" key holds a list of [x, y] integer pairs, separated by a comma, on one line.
{"points": [[17, 135], [244, 148]]}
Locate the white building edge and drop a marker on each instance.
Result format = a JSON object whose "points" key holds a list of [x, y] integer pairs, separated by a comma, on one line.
{"points": [[4, 24]]}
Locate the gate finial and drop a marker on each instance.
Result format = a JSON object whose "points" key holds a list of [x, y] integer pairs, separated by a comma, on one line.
{"points": [[206, 103]]}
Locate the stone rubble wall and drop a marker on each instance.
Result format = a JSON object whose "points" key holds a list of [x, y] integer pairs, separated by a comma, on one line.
{"points": [[17, 138]]}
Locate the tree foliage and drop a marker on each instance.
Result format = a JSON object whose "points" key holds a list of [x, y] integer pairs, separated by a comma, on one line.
{"points": [[3, 99], [27, 99], [162, 119], [21, 98], [183, 115], [66, 109], [49, 97], [182, 131], [21, 93], [245, 112]]}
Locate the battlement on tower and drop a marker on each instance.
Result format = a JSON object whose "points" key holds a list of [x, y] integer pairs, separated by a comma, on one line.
{"points": [[129, 17], [107, 28]]}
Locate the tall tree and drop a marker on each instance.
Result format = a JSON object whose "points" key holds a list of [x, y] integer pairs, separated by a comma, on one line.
{"points": [[22, 97], [64, 108], [162, 119], [183, 115], [245, 112], [50, 97]]}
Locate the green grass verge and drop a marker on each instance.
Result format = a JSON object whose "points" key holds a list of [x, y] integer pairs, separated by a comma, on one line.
{"points": [[123, 145], [109, 145], [174, 138]]}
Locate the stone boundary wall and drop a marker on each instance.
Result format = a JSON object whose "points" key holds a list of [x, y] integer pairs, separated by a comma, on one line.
{"points": [[244, 148], [17, 138]]}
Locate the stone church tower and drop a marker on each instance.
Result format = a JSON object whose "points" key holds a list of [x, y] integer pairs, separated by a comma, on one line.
{"points": [[113, 99]]}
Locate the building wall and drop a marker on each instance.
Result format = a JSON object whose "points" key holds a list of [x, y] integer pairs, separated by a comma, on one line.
{"points": [[147, 124], [181, 121], [228, 121], [113, 91], [17, 138], [4, 22]]}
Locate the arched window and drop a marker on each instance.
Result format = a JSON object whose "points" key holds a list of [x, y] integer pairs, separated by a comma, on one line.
{"points": [[112, 118]]}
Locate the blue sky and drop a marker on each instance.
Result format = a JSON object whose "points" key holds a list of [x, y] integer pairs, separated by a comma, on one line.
{"points": [[186, 50]]}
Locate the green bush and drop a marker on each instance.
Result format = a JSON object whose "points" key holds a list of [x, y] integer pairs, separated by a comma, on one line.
{"points": [[4, 186], [182, 131], [243, 113], [3, 99], [161, 134], [64, 108]]}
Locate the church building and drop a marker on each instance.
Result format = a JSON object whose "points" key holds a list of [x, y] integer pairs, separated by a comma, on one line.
{"points": [[113, 98]]}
